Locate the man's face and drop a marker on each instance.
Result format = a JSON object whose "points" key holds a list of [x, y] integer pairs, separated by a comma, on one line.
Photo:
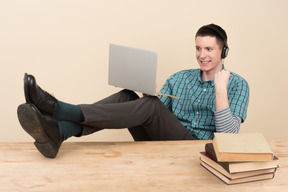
{"points": [[208, 55]]}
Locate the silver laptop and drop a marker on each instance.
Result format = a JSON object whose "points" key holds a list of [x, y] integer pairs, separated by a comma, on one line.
{"points": [[133, 69]]}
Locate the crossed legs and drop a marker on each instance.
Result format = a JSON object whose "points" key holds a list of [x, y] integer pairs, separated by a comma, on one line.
{"points": [[146, 118]]}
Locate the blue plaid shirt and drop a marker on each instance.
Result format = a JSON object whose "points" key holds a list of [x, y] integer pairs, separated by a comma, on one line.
{"points": [[197, 103]]}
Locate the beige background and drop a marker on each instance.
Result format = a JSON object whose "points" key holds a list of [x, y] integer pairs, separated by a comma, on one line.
{"points": [[65, 45]]}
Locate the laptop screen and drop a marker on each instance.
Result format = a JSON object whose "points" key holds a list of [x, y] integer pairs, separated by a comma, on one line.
{"points": [[132, 68]]}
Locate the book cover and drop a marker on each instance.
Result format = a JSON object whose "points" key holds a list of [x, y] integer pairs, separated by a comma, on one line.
{"points": [[241, 147], [235, 167], [239, 180]]}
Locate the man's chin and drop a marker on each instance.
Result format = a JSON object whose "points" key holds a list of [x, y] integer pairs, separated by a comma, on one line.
{"points": [[204, 69]]}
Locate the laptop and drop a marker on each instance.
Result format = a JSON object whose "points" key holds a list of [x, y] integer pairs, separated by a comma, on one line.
{"points": [[133, 69]]}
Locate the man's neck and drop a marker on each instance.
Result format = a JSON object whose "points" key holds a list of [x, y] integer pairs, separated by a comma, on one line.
{"points": [[209, 75]]}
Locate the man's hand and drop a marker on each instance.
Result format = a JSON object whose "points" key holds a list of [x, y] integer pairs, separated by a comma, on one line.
{"points": [[221, 81]]}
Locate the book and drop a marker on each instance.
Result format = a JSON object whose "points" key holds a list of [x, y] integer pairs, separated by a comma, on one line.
{"points": [[230, 181], [241, 147], [209, 157], [205, 158]]}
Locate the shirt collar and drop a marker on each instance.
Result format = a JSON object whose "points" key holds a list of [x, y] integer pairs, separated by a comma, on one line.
{"points": [[200, 76]]}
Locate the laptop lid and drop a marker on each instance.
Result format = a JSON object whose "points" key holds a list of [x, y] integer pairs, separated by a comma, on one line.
{"points": [[132, 68]]}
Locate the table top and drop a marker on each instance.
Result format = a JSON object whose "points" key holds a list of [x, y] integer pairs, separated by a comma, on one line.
{"points": [[123, 166]]}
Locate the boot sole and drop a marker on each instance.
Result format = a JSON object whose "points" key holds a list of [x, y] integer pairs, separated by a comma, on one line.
{"points": [[31, 123]]}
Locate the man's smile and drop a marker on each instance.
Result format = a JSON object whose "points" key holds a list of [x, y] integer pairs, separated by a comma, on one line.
{"points": [[205, 62]]}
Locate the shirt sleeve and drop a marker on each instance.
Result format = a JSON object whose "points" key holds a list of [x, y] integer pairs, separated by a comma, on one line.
{"points": [[226, 122], [166, 89], [238, 95]]}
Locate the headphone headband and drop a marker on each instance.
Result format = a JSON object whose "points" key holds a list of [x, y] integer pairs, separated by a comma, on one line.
{"points": [[214, 28]]}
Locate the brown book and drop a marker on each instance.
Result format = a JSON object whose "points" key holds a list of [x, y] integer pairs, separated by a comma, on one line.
{"points": [[236, 167], [205, 158], [241, 147], [230, 181]]}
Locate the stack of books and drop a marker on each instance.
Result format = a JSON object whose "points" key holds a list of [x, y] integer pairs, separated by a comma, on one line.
{"points": [[239, 158]]}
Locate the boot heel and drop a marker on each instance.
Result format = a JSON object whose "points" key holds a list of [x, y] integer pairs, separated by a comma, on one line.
{"points": [[48, 149]]}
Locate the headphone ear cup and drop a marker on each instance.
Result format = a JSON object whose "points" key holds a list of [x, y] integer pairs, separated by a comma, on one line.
{"points": [[225, 51]]}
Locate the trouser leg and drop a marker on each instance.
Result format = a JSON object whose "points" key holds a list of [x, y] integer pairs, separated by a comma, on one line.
{"points": [[138, 133], [158, 122], [119, 97], [70, 116]]}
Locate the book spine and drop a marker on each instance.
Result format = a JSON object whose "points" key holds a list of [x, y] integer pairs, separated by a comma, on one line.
{"points": [[210, 151]]}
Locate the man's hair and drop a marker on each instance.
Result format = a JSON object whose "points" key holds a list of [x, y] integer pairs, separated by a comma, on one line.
{"points": [[214, 31]]}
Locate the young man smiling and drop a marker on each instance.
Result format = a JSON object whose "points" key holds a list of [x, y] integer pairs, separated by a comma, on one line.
{"points": [[208, 54], [211, 100]]}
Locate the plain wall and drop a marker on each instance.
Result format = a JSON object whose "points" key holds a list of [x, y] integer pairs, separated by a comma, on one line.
{"points": [[64, 44]]}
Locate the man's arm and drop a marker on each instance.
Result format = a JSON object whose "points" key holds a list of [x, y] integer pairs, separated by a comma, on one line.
{"points": [[224, 120], [221, 81]]}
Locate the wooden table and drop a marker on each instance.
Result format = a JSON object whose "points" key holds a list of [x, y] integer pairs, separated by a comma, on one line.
{"points": [[123, 166]]}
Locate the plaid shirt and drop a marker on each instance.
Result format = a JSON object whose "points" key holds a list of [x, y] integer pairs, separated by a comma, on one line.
{"points": [[197, 104]]}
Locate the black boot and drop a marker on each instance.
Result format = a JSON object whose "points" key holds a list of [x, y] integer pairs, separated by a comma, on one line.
{"points": [[44, 129], [44, 101]]}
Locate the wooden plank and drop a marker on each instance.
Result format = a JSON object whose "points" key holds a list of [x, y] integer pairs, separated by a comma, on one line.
{"points": [[123, 166]]}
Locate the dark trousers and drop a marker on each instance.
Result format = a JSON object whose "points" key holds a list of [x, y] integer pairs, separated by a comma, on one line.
{"points": [[146, 118]]}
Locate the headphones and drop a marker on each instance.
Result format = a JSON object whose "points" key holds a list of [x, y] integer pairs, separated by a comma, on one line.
{"points": [[225, 49]]}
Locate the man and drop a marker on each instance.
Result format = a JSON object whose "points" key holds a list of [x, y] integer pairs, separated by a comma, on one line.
{"points": [[211, 99]]}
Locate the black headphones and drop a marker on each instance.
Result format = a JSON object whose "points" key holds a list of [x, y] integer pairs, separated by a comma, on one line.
{"points": [[225, 49]]}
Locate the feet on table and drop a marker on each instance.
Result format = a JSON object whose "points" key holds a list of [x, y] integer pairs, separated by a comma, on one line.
{"points": [[35, 117]]}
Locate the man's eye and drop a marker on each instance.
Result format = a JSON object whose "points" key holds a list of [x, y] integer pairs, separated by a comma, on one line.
{"points": [[197, 48], [209, 49]]}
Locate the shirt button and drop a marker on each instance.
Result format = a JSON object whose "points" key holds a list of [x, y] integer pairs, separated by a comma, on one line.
{"points": [[204, 90], [199, 100], [197, 113]]}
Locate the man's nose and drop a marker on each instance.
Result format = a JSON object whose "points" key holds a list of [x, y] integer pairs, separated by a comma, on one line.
{"points": [[202, 54]]}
